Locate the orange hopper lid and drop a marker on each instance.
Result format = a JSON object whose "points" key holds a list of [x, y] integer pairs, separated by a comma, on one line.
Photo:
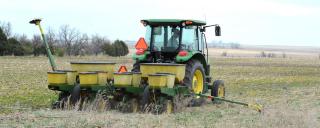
{"points": [[141, 44], [122, 69]]}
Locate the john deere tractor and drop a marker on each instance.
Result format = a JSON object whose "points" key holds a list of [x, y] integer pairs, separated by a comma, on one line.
{"points": [[176, 41], [171, 70]]}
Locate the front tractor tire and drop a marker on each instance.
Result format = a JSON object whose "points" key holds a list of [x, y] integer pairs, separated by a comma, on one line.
{"points": [[218, 90], [194, 79]]}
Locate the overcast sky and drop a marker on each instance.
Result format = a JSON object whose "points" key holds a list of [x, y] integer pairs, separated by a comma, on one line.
{"points": [[260, 22]]}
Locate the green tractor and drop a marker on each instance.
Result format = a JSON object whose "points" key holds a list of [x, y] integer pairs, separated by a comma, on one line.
{"points": [[176, 41]]}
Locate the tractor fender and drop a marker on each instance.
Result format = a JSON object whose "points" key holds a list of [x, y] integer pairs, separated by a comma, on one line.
{"points": [[142, 57], [196, 56], [201, 58]]}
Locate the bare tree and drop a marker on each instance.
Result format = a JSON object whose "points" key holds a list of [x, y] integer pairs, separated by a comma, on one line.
{"points": [[51, 37], [67, 37], [52, 40], [6, 27], [80, 43], [22, 38], [37, 45], [26, 44], [97, 43]]}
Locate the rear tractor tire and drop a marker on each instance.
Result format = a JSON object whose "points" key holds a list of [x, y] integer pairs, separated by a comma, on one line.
{"points": [[195, 79]]}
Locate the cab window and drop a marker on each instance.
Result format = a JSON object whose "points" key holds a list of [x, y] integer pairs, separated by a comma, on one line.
{"points": [[189, 38]]}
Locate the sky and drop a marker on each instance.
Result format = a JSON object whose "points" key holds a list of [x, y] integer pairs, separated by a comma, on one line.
{"points": [[253, 22]]}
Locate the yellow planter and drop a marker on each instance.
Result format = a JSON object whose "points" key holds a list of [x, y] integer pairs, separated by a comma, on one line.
{"points": [[71, 76], [170, 79], [88, 78], [55, 78], [157, 80], [94, 66], [153, 68], [136, 79], [123, 79], [102, 77]]}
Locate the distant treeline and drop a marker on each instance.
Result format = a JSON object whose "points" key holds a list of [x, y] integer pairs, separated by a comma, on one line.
{"points": [[221, 44], [66, 41]]}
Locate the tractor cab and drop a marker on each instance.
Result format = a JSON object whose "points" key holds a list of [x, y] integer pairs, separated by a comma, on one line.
{"points": [[171, 40]]}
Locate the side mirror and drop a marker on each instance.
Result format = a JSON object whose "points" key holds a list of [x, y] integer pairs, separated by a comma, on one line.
{"points": [[218, 30]]}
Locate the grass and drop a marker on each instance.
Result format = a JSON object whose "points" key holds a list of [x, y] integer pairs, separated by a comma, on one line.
{"points": [[288, 88]]}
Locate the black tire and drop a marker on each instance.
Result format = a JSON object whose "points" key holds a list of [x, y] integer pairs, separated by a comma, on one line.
{"points": [[75, 94], [191, 66], [145, 97], [217, 84]]}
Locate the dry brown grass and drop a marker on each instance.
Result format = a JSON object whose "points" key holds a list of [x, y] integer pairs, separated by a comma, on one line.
{"points": [[245, 53], [288, 88]]}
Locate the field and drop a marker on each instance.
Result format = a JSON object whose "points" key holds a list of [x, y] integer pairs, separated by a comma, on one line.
{"points": [[288, 88]]}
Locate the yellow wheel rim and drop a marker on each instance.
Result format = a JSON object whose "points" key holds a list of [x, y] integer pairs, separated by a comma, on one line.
{"points": [[169, 107], [197, 82], [221, 91]]}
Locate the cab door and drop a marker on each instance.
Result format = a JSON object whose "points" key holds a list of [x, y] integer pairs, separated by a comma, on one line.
{"points": [[190, 40]]}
